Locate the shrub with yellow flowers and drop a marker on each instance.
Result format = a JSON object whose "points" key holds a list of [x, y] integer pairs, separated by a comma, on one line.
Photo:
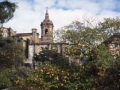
{"points": [[51, 77]]}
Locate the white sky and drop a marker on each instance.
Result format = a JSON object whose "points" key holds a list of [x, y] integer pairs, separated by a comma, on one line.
{"points": [[31, 13]]}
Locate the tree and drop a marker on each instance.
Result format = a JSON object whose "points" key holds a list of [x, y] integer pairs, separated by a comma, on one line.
{"points": [[110, 25], [59, 34], [11, 60], [7, 10], [88, 43], [11, 53], [53, 57], [82, 38]]}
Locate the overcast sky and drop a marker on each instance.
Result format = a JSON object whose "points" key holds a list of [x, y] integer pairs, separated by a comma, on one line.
{"points": [[31, 13]]}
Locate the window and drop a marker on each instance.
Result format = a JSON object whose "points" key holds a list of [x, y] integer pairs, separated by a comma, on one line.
{"points": [[46, 31]]}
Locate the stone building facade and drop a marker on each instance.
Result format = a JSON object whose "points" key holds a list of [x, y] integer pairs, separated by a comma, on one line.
{"points": [[31, 42], [7, 32], [114, 44]]}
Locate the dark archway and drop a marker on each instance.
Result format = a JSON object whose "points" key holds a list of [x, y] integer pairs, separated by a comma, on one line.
{"points": [[27, 47], [46, 31]]}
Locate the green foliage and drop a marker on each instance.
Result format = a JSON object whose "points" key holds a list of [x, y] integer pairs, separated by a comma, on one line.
{"points": [[7, 10], [101, 72], [11, 53], [53, 57], [51, 77], [110, 25], [100, 62], [19, 76], [110, 81], [9, 78], [82, 38], [4, 79]]}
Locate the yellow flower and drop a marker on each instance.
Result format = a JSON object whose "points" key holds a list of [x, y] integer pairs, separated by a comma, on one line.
{"points": [[61, 84], [57, 78], [79, 44], [37, 76], [64, 80], [41, 70], [48, 73], [35, 79], [83, 66], [17, 81]]}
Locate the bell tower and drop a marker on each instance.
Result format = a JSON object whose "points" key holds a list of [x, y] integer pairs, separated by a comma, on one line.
{"points": [[47, 29]]}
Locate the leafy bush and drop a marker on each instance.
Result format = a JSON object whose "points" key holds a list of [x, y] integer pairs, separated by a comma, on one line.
{"points": [[5, 79], [53, 57]]}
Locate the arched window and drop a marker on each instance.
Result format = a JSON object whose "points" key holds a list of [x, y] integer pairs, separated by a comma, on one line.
{"points": [[46, 31]]}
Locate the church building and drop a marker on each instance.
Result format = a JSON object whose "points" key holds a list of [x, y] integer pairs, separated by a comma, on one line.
{"points": [[31, 42]]}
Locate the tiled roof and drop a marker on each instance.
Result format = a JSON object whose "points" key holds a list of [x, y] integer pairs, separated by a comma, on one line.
{"points": [[23, 34]]}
